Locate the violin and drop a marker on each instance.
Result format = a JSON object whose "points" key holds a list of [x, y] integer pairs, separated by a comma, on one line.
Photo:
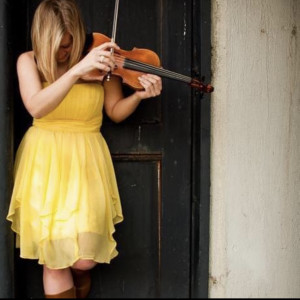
{"points": [[133, 63]]}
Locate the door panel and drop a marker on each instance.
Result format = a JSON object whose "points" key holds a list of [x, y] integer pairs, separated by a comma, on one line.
{"points": [[135, 272]]}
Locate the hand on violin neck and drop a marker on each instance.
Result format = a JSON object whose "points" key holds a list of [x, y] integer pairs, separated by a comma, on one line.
{"points": [[152, 85]]}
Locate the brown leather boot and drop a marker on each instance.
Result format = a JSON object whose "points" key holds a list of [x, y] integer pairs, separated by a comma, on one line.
{"points": [[82, 282], [71, 293]]}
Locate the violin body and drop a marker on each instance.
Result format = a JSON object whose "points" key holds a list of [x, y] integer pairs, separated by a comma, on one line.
{"points": [[129, 77], [138, 61]]}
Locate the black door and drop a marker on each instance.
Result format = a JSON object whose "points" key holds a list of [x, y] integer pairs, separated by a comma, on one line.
{"points": [[155, 153]]}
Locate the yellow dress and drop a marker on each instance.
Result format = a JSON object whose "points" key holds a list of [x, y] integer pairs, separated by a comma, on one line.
{"points": [[65, 200]]}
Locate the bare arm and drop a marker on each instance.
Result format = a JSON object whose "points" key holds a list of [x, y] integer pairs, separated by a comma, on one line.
{"points": [[38, 101], [119, 108]]}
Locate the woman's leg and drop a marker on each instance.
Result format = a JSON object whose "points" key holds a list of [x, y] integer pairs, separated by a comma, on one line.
{"points": [[58, 282], [82, 277], [84, 264]]}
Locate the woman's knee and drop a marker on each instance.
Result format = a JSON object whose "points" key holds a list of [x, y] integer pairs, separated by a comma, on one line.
{"points": [[84, 264], [55, 272]]}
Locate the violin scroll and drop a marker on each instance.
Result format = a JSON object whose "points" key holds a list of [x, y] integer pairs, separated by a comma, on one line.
{"points": [[199, 85]]}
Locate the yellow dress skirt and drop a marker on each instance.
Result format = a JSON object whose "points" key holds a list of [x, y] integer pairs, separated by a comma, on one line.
{"points": [[65, 201]]}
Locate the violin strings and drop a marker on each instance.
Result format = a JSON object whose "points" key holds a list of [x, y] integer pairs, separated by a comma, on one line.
{"points": [[138, 66], [155, 70], [143, 67]]}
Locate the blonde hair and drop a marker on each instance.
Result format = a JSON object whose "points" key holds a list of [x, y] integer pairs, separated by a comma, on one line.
{"points": [[52, 19]]}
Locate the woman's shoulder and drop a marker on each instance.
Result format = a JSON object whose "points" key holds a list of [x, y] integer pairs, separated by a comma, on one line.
{"points": [[26, 63], [26, 57]]}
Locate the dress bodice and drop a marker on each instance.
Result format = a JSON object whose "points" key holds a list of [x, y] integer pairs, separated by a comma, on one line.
{"points": [[80, 109]]}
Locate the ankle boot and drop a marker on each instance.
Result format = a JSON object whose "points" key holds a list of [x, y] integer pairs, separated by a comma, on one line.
{"points": [[71, 293], [82, 282]]}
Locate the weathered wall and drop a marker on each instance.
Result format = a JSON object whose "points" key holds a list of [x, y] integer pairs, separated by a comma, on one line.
{"points": [[255, 159]]}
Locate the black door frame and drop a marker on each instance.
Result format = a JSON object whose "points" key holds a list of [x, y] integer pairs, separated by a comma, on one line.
{"points": [[201, 152], [6, 150]]}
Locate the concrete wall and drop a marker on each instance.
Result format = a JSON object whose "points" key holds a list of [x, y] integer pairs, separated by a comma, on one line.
{"points": [[255, 159]]}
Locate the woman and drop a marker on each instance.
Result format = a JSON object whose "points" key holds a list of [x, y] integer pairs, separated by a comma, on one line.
{"points": [[65, 200]]}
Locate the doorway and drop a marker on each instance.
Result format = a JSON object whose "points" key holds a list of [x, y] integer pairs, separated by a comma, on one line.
{"points": [[160, 154]]}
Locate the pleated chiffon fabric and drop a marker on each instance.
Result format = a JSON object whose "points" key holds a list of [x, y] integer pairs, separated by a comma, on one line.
{"points": [[65, 201]]}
